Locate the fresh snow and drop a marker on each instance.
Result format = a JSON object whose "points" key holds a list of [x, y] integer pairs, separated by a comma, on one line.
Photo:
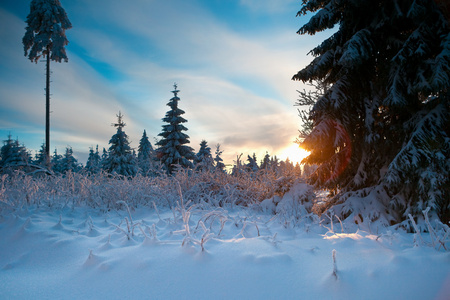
{"points": [[82, 253]]}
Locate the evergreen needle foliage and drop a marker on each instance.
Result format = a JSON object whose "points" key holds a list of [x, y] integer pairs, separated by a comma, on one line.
{"points": [[384, 121], [173, 150]]}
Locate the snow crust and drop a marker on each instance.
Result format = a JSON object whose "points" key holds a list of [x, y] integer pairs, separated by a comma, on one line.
{"points": [[249, 253]]}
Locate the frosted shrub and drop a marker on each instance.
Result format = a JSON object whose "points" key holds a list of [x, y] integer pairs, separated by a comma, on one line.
{"points": [[104, 191], [439, 234]]}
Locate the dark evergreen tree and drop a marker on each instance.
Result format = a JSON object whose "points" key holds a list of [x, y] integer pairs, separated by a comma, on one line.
{"points": [[252, 164], [274, 163], [218, 160], [93, 164], [104, 159], [69, 162], [203, 159], [120, 158], [13, 154], [146, 157], [46, 36], [265, 164], [173, 149], [41, 157], [297, 170], [383, 125], [56, 162]]}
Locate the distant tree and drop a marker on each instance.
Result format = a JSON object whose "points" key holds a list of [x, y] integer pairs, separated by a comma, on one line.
{"points": [[274, 163], [45, 36], [203, 159], [41, 157], [383, 124], [173, 149], [146, 157], [56, 162], [69, 162], [93, 164], [12, 153], [104, 159], [297, 170], [252, 164], [265, 164], [219, 165], [120, 158], [238, 167], [286, 167]]}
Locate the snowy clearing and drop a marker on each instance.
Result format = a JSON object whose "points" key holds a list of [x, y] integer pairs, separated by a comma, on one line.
{"points": [[82, 253]]}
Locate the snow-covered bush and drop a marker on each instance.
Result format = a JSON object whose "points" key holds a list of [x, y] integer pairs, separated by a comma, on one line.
{"points": [[104, 190], [293, 206]]}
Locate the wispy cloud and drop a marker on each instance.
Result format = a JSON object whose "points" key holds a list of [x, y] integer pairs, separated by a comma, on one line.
{"points": [[235, 87]]}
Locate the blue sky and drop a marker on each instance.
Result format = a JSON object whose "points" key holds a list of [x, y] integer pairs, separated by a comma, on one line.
{"points": [[232, 60]]}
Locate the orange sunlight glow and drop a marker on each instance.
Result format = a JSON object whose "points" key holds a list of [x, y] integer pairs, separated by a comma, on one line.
{"points": [[294, 153]]}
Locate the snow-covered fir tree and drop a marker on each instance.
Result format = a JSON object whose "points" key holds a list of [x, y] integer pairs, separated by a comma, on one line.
{"points": [[40, 158], [252, 164], [219, 165], [104, 159], [297, 170], [383, 125], [13, 154], [45, 31], [120, 158], [173, 149], [203, 159], [265, 164], [45, 36], [56, 162], [69, 162], [274, 163], [146, 157], [93, 164]]}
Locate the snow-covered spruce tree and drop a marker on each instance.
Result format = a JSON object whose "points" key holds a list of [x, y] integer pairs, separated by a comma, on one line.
{"points": [[219, 165], [45, 36], [69, 162], [56, 162], [41, 157], [13, 154], [383, 125], [93, 164], [120, 158], [274, 163], [104, 159], [146, 157], [265, 163], [203, 160], [173, 149], [252, 165]]}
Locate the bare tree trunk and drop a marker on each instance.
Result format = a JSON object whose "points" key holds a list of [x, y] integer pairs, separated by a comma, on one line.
{"points": [[47, 112]]}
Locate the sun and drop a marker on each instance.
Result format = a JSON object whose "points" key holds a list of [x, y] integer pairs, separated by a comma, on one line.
{"points": [[294, 153]]}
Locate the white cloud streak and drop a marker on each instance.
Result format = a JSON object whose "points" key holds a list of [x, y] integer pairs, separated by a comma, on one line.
{"points": [[235, 89]]}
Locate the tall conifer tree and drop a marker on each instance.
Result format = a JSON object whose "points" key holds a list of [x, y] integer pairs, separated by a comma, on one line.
{"points": [[383, 125], [69, 162], [46, 36], [120, 158], [219, 165], [93, 164], [13, 154], [145, 155], [173, 149], [203, 159]]}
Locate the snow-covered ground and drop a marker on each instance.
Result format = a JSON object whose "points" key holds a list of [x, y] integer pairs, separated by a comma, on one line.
{"points": [[81, 253]]}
